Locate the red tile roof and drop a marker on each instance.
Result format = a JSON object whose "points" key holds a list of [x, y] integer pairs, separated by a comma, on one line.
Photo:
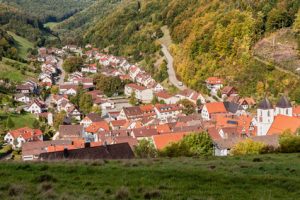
{"points": [[214, 80], [95, 126], [161, 141], [216, 107], [26, 133], [282, 123]]}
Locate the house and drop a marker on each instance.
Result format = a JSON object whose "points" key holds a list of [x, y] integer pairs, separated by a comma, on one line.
{"points": [[92, 130], [70, 132], [89, 119], [143, 133], [36, 106], [166, 97], [32, 150], [19, 136], [134, 71], [141, 93], [136, 112], [214, 84], [247, 102], [165, 111], [114, 151], [164, 140], [210, 109], [24, 89], [117, 124], [228, 91], [74, 113], [192, 96], [68, 89], [21, 97]]}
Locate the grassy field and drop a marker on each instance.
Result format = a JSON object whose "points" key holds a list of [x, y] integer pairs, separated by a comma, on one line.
{"points": [[20, 120], [12, 73], [253, 177], [51, 25], [22, 45]]}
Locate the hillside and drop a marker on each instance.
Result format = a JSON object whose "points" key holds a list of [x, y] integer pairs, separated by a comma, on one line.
{"points": [[22, 45], [280, 48], [72, 29], [252, 177], [23, 24], [210, 38], [50, 10]]}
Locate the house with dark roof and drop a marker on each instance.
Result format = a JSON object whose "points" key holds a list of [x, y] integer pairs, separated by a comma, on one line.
{"points": [[234, 108], [114, 151]]}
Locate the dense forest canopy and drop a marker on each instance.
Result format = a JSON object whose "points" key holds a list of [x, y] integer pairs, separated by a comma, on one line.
{"points": [[50, 10]]}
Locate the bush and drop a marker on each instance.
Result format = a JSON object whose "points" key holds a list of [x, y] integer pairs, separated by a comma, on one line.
{"points": [[197, 144], [145, 149], [248, 147], [289, 143]]}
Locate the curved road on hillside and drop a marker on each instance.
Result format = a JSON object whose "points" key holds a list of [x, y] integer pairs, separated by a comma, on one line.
{"points": [[172, 75]]}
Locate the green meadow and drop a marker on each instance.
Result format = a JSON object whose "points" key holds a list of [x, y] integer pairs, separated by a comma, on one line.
{"points": [[274, 176]]}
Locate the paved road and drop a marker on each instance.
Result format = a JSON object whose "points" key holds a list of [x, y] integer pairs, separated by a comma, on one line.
{"points": [[172, 75], [63, 73]]}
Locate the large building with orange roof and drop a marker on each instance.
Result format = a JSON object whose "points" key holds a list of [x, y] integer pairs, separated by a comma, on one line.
{"points": [[210, 109], [282, 123]]}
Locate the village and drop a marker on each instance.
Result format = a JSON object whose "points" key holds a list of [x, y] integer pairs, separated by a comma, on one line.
{"points": [[114, 125]]}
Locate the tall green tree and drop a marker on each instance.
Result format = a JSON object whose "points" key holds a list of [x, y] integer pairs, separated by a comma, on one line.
{"points": [[86, 103], [133, 100], [72, 64]]}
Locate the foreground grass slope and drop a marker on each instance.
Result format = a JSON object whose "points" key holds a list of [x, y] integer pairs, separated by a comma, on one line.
{"points": [[253, 177]]}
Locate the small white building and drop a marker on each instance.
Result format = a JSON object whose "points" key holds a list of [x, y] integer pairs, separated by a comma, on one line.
{"points": [[214, 84]]}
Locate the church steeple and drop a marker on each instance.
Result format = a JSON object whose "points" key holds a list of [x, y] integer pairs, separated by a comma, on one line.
{"points": [[284, 107]]}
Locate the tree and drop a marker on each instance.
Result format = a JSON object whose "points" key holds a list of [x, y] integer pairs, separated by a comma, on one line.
{"points": [[289, 143], [54, 89], [9, 123], [109, 85], [188, 106], [154, 100], [195, 144], [247, 147], [72, 64], [132, 100], [59, 119], [145, 149], [97, 110], [86, 103]]}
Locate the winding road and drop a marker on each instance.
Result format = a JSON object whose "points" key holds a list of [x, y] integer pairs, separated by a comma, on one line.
{"points": [[171, 71]]}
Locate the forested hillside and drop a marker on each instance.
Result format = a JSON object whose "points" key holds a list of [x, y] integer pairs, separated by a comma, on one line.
{"points": [[50, 10], [22, 24], [211, 38], [72, 29]]}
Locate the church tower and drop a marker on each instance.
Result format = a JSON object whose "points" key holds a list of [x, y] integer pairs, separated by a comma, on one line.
{"points": [[284, 107], [265, 117]]}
